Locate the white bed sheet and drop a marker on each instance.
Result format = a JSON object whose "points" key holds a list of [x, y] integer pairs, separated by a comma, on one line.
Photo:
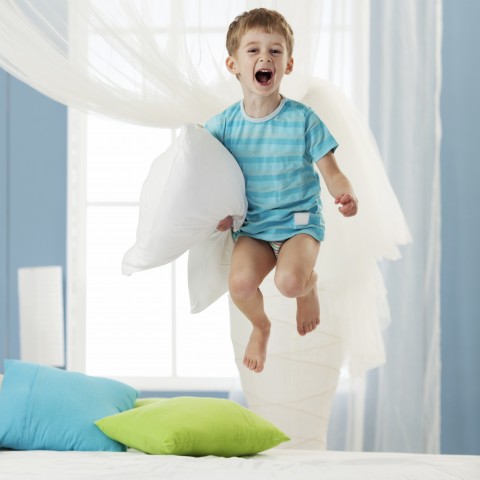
{"points": [[276, 464]]}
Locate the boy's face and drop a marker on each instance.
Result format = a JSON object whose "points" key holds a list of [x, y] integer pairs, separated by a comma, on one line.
{"points": [[260, 62]]}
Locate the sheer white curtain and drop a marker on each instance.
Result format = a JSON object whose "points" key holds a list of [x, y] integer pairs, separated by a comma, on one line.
{"points": [[157, 63], [406, 119], [160, 63], [402, 398]]}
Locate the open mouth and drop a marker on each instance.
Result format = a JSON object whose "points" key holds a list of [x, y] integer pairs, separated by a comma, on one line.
{"points": [[263, 76]]}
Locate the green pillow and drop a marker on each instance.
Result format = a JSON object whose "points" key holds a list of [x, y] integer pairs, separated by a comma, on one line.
{"points": [[193, 426]]}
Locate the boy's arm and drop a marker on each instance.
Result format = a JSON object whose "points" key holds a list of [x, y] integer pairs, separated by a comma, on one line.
{"points": [[338, 185]]}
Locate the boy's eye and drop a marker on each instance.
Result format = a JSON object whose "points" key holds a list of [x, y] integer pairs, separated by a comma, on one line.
{"points": [[274, 51]]}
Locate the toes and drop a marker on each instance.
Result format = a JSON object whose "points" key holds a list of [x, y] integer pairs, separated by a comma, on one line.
{"points": [[312, 326], [304, 328], [252, 364]]}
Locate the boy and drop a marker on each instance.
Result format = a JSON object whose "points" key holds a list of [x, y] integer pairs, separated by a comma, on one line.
{"points": [[276, 142]]}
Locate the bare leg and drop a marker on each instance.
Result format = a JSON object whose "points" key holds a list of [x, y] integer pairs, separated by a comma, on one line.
{"points": [[295, 278], [308, 310], [252, 260]]}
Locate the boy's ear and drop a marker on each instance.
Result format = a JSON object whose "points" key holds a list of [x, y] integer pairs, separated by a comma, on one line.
{"points": [[231, 64], [289, 68]]}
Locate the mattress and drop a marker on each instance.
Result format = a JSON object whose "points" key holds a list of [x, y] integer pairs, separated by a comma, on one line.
{"points": [[275, 464]]}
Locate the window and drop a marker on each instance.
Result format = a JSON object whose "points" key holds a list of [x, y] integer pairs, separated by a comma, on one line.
{"points": [[139, 328]]}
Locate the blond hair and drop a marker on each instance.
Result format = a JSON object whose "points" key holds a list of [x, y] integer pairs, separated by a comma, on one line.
{"points": [[263, 19]]}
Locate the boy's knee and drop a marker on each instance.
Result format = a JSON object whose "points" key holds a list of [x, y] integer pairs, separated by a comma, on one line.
{"points": [[242, 286], [290, 284]]}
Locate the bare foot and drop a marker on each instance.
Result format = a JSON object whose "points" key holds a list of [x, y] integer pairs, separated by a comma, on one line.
{"points": [[256, 351], [308, 312]]}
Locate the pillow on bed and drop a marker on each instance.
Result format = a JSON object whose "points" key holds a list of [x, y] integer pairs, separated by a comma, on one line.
{"points": [[45, 408], [189, 189], [193, 426]]}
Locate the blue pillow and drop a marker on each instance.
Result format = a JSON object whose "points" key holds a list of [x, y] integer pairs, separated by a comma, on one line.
{"points": [[45, 408]]}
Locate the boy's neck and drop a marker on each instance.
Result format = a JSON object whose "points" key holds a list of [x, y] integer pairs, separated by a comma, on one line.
{"points": [[260, 107]]}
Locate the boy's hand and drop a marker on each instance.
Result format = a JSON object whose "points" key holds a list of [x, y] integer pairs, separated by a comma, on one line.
{"points": [[225, 224], [348, 204]]}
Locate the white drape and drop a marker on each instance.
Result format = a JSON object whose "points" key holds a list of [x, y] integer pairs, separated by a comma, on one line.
{"points": [[402, 399], [407, 119], [154, 63], [161, 63]]}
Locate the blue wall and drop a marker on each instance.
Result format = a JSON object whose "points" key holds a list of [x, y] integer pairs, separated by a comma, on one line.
{"points": [[460, 163], [3, 215], [33, 169]]}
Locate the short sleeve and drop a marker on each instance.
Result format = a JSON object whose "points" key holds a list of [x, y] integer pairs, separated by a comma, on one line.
{"points": [[318, 139], [215, 127]]}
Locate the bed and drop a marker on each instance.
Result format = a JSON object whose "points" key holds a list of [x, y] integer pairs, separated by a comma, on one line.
{"points": [[275, 464], [56, 424]]}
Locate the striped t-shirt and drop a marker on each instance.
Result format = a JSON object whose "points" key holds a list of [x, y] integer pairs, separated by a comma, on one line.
{"points": [[277, 155]]}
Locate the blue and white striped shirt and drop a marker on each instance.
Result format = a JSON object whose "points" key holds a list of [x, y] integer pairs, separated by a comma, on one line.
{"points": [[277, 155]]}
